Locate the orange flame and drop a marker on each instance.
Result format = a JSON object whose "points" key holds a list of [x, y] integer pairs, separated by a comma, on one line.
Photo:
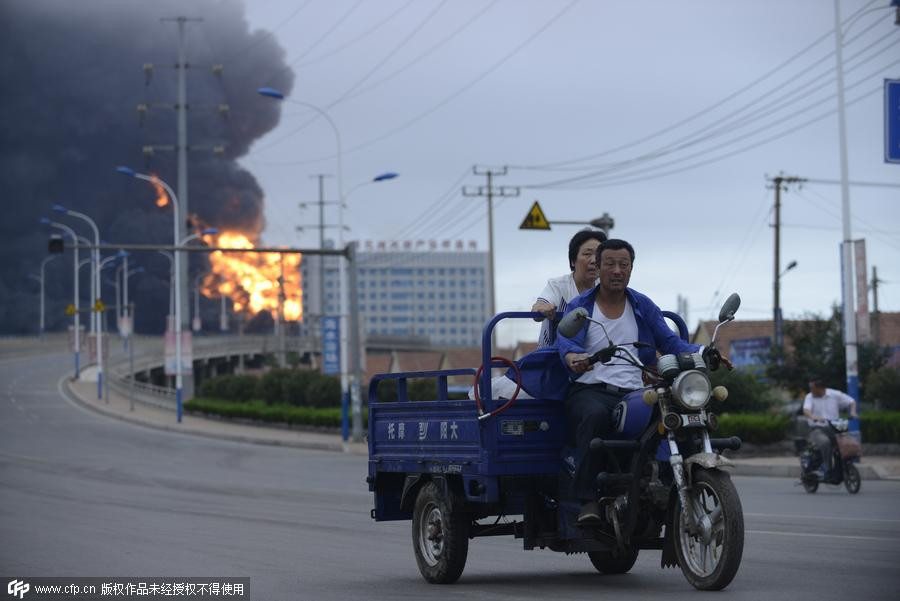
{"points": [[251, 280], [162, 199]]}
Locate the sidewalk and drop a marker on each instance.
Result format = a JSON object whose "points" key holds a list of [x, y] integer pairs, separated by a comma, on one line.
{"points": [[118, 406], [874, 467]]}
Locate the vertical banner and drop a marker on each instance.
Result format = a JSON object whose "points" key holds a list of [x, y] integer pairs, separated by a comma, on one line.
{"points": [[863, 331], [187, 353], [331, 346], [81, 338]]}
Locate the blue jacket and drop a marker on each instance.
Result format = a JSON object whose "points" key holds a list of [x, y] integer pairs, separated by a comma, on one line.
{"points": [[652, 329], [544, 371]]}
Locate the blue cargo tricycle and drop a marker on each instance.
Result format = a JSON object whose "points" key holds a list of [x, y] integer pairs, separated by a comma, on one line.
{"points": [[464, 469]]}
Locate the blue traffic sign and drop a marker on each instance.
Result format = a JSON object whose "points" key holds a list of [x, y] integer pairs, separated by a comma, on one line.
{"points": [[331, 346], [892, 120]]}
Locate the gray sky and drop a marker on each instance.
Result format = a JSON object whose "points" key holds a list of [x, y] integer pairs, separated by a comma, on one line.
{"points": [[429, 88]]}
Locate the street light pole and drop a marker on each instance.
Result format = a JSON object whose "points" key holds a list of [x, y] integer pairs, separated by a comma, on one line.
{"points": [[342, 317], [846, 248], [176, 237], [75, 278], [98, 294], [41, 322]]}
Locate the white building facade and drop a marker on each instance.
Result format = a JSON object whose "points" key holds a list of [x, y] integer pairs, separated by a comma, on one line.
{"points": [[438, 292]]}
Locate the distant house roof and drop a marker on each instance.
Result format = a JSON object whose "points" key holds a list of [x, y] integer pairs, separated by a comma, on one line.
{"points": [[416, 361], [888, 331], [377, 363]]}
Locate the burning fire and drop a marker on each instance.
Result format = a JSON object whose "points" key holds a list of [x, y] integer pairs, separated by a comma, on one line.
{"points": [[251, 279], [162, 199]]}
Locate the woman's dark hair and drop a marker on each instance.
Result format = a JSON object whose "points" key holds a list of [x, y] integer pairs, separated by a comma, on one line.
{"points": [[614, 244], [580, 238]]}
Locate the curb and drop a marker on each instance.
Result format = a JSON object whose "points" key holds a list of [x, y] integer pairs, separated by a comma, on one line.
{"points": [[866, 472], [71, 395]]}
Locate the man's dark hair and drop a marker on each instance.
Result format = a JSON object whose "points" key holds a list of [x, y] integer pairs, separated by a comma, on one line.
{"points": [[614, 244], [817, 382], [580, 238]]}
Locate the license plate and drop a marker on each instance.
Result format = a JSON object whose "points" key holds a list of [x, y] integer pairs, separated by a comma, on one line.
{"points": [[693, 419]]}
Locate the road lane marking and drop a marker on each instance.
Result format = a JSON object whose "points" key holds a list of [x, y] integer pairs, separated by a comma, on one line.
{"points": [[814, 535], [816, 517]]}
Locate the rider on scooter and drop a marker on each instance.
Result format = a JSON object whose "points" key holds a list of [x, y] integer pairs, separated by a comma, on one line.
{"points": [[821, 406]]}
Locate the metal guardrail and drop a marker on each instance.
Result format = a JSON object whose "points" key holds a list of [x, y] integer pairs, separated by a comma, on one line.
{"points": [[205, 348]]}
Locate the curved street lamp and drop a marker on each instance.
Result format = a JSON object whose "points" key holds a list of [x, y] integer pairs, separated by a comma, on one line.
{"points": [[76, 317], [41, 281], [176, 238], [96, 319]]}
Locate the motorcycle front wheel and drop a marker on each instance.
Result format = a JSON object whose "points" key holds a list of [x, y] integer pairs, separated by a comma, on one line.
{"points": [[710, 557], [851, 478]]}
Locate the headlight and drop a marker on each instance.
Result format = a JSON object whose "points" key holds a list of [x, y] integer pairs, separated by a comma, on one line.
{"points": [[691, 389]]}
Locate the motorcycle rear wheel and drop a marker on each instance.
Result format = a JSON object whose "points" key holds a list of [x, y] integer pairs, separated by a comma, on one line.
{"points": [[440, 535], [606, 563], [710, 559], [851, 478]]}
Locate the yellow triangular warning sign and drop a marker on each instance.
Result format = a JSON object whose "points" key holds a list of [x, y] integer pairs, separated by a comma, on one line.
{"points": [[535, 219]]}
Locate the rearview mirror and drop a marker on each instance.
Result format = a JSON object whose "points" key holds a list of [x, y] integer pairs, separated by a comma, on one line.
{"points": [[730, 307], [572, 322]]}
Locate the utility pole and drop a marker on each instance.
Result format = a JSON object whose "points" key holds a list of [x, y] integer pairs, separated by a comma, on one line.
{"points": [[779, 182], [876, 316], [181, 148], [316, 321], [282, 348], [489, 191]]}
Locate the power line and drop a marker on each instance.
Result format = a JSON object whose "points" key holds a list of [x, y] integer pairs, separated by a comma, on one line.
{"points": [[355, 40], [702, 113], [628, 178], [724, 129], [496, 65], [318, 40], [250, 47]]}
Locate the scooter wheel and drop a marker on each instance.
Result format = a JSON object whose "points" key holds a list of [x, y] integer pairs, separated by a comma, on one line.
{"points": [[810, 483], [851, 478]]}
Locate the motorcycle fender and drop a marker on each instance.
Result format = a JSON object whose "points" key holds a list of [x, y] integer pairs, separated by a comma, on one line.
{"points": [[707, 460], [668, 558]]}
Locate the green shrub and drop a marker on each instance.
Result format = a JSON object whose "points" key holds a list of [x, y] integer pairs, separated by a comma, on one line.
{"points": [[417, 389], [294, 386], [747, 393], [270, 387], [229, 387], [324, 391], [880, 426], [258, 410], [239, 387], [212, 388], [753, 428], [883, 388]]}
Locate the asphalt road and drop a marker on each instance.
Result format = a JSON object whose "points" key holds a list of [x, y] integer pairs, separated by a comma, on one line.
{"points": [[85, 495]]}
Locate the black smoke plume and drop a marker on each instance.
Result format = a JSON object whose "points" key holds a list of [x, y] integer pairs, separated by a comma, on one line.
{"points": [[73, 75]]}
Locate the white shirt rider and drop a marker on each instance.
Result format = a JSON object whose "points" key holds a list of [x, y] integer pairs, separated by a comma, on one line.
{"points": [[622, 331], [558, 292], [823, 404]]}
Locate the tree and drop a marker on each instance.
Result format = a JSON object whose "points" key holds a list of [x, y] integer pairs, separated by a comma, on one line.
{"points": [[814, 347]]}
